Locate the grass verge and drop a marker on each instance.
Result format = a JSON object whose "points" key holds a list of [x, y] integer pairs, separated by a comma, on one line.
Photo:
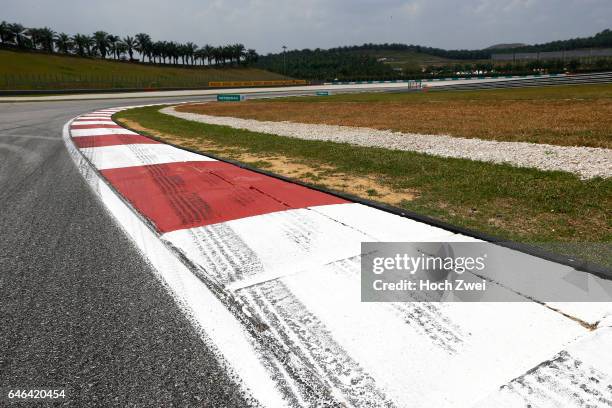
{"points": [[554, 210], [575, 115], [27, 70]]}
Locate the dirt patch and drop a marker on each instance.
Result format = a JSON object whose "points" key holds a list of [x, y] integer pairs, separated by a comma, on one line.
{"points": [[562, 122], [329, 177], [138, 127], [323, 175]]}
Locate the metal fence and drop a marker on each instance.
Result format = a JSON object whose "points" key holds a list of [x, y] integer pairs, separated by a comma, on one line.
{"points": [[533, 81]]}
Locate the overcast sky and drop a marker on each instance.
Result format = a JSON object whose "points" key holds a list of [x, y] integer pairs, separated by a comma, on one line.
{"points": [[268, 24]]}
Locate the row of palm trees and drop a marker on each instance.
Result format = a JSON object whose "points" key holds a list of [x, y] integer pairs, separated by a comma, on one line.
{"points": [[104, 45]]}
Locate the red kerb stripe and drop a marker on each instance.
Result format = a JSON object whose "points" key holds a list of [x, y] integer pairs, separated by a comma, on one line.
{"points": [[109, 126], [192, 194], [110, 140]]}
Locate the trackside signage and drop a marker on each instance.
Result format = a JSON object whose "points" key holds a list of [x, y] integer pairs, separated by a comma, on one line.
{"points": [[230, 98], [470, 272]]}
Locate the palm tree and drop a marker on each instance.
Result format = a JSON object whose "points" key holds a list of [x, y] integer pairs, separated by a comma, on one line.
{"points": [[251, 56], [191, 48], [238, 51], [83, 44], [172, 50], [63, 43], [46, 38], [91, 46], [113, 43], [130, 44], [158, 51], [208, 52], [120, 49], [163, 51], [182, 52], [5, 33], [35, 36], [101, 42], [218, 55], [227, 52], [144, 45], [19, 35], [199, 55], [79, 43]]}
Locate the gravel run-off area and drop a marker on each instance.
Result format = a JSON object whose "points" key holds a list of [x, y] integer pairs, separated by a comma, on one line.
{"points": [[586, 162]]}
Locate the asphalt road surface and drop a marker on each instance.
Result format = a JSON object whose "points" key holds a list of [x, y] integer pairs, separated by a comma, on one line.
{"points": [[80, 308]]}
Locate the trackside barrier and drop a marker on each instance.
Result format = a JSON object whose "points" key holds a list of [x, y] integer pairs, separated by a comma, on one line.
{"points": [[530, 81], [231, 84], [397, 81], [411, 82]]}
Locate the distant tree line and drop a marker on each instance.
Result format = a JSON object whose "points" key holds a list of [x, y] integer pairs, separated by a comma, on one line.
{"points": [[438, 52], [104, 45], [325, 64], [358, 61], [599, 40], [333, 65]]}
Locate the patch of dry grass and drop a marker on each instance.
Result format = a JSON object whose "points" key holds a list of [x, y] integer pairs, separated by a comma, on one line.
{"points": [[565, 120]]}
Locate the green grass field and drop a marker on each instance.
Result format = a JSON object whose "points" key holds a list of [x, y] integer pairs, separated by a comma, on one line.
{"points": [[554, 210], [24, 70]]}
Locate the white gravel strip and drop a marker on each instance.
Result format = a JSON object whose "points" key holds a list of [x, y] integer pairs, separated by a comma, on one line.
{"points": [[587, 162]]}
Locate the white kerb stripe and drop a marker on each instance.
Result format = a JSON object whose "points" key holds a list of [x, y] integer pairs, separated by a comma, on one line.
{"points": [[101, 131], [110, 157], [245, 252], [99, 116], [381, 225], [93, 122]]}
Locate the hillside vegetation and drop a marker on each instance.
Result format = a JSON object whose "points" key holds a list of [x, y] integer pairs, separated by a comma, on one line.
{"points": [[28, 70], [400, 61]]}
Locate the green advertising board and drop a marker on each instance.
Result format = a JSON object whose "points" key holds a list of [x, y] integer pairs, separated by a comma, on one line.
{"points": [[323, 93], [230, 98]]}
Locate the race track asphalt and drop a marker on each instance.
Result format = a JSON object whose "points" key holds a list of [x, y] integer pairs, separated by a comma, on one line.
{"points": [[80, 308]]}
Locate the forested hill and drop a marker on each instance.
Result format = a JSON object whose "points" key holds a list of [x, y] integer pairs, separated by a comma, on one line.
{"points": [[599, 40], [325, 64], [395, 59]]}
